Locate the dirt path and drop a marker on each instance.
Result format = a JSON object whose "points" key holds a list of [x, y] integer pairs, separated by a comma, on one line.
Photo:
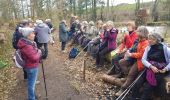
{"points": [[59, 81]]}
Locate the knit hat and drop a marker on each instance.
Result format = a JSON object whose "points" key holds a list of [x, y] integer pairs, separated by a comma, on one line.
{"points": [[26, 31], [39, 21]]}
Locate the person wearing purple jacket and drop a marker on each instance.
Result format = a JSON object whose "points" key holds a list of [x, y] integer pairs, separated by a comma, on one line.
{"points": [[31, 55], [108, 44]]}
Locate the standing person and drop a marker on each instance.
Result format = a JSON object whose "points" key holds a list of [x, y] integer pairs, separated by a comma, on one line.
{"points": [[63, 34], [108, 44], [49, 24], [31, 55], [43, 36], [156, 61], [18, 35]]}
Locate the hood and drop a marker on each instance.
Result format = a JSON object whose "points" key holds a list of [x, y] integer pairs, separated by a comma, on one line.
{"points": [[42, 25], [23, 42]]}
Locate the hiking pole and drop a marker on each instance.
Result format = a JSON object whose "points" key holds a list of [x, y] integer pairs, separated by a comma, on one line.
{"points": [[130, 87], [82, 50], [44, 80]]}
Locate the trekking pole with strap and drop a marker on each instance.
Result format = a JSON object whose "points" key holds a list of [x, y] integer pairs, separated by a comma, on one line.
{"points": [[123, 95], [44, 80]]}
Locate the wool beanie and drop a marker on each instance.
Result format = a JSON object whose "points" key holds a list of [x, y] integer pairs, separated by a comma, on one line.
{"points": [[26, 31]]}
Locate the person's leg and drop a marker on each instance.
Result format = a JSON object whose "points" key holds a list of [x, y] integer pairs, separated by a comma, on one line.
{"points": [[133, 73], [89, 47], [136, 88], [123, 65], [32, 77], [147, 91], [62, 46], [115, 63], [102, 54], [25, 74], [39, 45], [46, 50]]}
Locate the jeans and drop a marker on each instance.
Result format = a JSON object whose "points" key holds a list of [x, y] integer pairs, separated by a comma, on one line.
{"points": [[45, 49], [32, 77], [63, 45]]}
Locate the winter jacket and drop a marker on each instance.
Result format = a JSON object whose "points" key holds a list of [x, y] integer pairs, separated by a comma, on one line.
{"points": [[128, 41], [63, 32], [29, 52], [92, 33], [110, 38], [139, 53], [43, 32], [166, 54]]}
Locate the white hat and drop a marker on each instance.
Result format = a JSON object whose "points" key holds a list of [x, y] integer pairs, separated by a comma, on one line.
{"points": [[26, 31], [38, 21]]}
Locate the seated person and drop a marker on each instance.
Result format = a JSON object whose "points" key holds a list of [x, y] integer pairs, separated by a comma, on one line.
{"points": [[127, 43], [95, 40], [156, 61], [108, 44], [132, 60]]}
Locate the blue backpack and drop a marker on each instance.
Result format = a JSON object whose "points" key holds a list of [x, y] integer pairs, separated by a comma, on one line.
{"points": [[73, 53]]}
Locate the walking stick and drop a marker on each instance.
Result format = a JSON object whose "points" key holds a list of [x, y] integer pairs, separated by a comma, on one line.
{"points": [[123, 95], [44, 80], [82, 50]]}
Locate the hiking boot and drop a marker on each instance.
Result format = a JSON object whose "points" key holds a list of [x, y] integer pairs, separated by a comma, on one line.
{"points": [[119, 92]]}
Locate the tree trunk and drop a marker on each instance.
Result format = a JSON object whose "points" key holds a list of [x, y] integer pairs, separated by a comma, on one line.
{"points": [[86, 10], [22, 4], [94, 11]]}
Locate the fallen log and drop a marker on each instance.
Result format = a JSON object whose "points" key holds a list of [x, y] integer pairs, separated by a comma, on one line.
{"points": [[112, 80]]}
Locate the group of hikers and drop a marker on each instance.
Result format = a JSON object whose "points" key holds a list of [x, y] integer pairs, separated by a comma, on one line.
{"points": [[31, 40], [138, 52]]}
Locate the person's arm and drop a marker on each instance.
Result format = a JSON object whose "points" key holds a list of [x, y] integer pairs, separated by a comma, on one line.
{"points": [[167, 52], [111, 34], [31, 53], [139, 54], [144, 58]]}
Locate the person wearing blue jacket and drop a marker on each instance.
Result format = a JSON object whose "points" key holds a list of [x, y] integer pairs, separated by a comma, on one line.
{"points": [[63, 34]]}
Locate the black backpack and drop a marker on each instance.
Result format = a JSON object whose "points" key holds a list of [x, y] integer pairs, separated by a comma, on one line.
{"points": [[16, 36]]}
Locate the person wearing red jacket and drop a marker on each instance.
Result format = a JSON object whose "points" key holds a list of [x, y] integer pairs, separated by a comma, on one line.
{"points": [[136, 65], [127, 42], [31, 55]]}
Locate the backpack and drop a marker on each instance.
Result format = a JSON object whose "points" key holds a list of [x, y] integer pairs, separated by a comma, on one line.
{"points": [[15, 39], [73, 53], [18, 60], [16, 36]]}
